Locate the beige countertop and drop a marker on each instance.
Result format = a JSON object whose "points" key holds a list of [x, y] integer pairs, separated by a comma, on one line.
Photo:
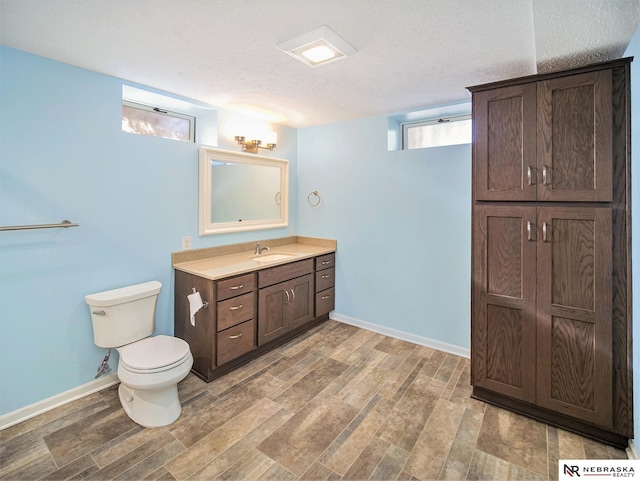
{"points": [[225, 261]]}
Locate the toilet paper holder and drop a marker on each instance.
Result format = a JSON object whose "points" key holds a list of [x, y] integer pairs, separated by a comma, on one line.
{"points": [[205, 304]]}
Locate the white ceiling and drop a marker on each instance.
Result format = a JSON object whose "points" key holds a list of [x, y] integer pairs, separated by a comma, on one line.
{"points": [[411, 53]]}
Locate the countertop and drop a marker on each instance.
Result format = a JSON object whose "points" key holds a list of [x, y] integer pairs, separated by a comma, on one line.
{"points": [[225, 261]]}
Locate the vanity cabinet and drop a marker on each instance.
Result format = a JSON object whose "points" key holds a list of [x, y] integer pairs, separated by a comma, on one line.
{"points": [[551, 314], [249, 314]]}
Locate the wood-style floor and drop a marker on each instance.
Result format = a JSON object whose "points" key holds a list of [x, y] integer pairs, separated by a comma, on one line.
{"points": [[337, 403]]}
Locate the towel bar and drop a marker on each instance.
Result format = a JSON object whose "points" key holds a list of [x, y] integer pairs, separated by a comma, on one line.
{"points": [[65, 223]]}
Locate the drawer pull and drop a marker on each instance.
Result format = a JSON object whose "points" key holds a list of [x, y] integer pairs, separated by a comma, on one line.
{"points": [[288, 298], [324, 263], [235, 308], [326, 276], [528, 230], [293, 295], [324, 298], [235, 288], [236, 336]]}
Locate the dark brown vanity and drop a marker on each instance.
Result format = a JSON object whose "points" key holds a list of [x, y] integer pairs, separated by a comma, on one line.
{"points": [[254, 302]]}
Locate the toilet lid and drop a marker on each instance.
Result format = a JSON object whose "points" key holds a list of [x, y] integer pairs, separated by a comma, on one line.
{"points": [[154, 352]]}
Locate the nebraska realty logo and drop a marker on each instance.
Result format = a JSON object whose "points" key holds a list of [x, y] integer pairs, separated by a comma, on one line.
{"points": [[602, 468]]}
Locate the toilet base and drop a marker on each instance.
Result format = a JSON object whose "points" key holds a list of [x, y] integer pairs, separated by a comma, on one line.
{"points": [[151, 408]]}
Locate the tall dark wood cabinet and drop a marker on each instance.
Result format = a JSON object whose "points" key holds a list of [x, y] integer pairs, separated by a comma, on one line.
{"points": [[551, 302]]}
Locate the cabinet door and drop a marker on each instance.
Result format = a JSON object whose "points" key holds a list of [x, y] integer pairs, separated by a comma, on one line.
{"points": [[272, 312], [301, 302], [574, 313], [504, 122], [503, 299], [575, 138]]}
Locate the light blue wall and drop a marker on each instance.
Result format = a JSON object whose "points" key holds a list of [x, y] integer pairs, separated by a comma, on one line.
{"points": [[63, 156], [634, 51], [403, 224]]}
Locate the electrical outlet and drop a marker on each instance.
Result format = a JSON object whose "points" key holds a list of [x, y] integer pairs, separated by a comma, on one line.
{"points": [[291, 231], [186, 243]]}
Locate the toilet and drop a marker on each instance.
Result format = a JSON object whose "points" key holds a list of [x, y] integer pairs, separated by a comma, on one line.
{"points": [[150, 368]]}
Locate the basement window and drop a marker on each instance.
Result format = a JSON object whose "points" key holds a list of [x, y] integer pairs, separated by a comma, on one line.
{"points": [[437, 132], [149, 120]]}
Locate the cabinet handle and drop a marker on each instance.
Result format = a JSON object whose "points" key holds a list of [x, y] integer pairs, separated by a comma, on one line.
{"points": [[235, 288], [288, 299], [236, 307], [325, 277], [528, 230], [544, 232], [293, 295], [529, 176], [236, 336], [544, 175], [324, 263], [324, 298]]}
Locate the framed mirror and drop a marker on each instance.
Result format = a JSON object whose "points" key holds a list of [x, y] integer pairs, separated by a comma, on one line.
{"points": [[240, 192]]}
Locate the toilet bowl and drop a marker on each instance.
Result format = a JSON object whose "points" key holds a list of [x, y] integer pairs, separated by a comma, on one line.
{"points": [[150, 368], [149, 373]]}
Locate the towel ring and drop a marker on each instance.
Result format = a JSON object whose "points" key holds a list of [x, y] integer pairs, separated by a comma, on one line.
{"points": [[309, 197]]}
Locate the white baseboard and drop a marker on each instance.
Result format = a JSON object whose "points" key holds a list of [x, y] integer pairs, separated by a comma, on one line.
{"points": [[403, 336], [22, 414], [632, 453]]}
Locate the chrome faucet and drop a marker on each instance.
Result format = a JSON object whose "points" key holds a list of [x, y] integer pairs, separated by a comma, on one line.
{"points": [[260, 249]]}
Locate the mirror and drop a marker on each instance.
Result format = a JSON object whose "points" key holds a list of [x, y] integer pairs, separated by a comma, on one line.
{"points": [[240, 192]]}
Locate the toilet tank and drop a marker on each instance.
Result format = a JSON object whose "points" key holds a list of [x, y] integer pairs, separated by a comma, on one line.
{"points": [[125, 315]]}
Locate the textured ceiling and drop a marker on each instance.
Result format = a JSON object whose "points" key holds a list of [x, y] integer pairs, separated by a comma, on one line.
{"points": [[411, 53]]}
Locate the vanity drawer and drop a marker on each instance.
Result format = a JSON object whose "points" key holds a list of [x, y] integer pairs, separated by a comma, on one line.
{"points": [[325, 279], [274, 275], [236, 341], [326, 261], [235, 286], [235, 310], [325, 302]]}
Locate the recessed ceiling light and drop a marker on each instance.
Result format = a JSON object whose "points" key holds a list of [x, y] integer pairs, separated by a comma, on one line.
{"points": [[318, 47]]}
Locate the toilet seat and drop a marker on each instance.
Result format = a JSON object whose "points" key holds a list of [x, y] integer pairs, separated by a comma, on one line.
{"points": [[154, 354]]}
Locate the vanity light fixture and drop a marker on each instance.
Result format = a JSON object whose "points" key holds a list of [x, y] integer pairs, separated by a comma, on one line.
{"points": [[318, 47], [252, 146]]}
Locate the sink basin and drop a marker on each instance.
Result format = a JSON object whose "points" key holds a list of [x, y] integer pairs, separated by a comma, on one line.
{"points": [[271, 257]]}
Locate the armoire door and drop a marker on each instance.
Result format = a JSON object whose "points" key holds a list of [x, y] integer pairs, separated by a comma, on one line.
{"points": [[504, 122], [575, 138], [574, 373], [504, 300]]}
